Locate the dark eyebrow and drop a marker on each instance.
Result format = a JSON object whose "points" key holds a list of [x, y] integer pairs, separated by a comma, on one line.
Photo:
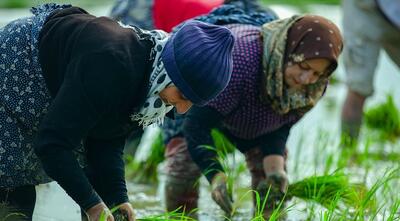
{"points": [[310, 67]]}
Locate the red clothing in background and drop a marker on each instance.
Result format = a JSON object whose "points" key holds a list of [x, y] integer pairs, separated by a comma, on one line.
{"points": [[169, 13]]}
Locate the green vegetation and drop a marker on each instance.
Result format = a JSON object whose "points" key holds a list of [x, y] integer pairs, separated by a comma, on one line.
{"points": [[333, 191], [146, 171], [169, 216], [31, 3], [384, 118], [327, 190]]}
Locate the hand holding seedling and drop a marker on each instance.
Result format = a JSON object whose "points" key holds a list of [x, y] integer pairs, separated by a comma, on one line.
{"points": [[125, 211], [220, 193], [99, 212], [279, 185]]}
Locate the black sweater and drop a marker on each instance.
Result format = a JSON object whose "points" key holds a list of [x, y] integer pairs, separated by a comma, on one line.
{"points": [[97, 73], [196, 128]]}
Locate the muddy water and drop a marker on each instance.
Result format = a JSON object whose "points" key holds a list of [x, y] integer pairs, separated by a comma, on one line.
{"points": [[306, 156]]}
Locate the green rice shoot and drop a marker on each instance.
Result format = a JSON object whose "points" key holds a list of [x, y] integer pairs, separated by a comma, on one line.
{"points": [[328, 190], [146, 171], [384, 118]]}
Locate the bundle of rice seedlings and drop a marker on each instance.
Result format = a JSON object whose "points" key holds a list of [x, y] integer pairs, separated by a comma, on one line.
{"points": [[223, 147], [384, 118], [329, 190], [168, 216], [145, 171], [7, 213], [333, 191]]}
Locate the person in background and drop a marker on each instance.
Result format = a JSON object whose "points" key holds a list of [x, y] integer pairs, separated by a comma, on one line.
{"points": [[71, 79], [166, 14], [280, 71], [361, 53]]}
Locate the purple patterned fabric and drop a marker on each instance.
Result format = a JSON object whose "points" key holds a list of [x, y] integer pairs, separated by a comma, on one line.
{"points": [[245, 116]]}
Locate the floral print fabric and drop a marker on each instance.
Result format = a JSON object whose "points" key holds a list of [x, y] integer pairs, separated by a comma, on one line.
{"points": [[24, 99]]}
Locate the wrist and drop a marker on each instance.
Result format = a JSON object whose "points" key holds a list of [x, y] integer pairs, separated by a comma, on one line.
{"points": [[274, 164], [218, 178]]}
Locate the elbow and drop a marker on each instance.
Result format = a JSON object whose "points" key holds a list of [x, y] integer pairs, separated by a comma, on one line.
{"points": [[44, 149]]}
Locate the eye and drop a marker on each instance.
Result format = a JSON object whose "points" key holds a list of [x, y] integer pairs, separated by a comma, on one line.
{"points": [[304, 66]]}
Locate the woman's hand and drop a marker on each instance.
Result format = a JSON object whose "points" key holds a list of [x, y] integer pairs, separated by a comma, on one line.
{"points": [[220, 193], [126, 211], [94, 213]]}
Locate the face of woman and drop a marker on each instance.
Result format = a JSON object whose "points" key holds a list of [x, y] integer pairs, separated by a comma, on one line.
{"points": [[298, 75], [171, 95]]}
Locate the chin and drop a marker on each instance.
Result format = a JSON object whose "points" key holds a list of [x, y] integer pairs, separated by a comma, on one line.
{"points": [[182, 111], [295, 86]]}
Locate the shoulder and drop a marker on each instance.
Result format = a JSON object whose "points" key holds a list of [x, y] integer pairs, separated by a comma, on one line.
{"points": [[107, 31], [247, 49], [108, 50], [99, 72]]}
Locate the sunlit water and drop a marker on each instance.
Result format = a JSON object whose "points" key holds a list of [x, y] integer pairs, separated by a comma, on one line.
{"points": [[305, 159]]}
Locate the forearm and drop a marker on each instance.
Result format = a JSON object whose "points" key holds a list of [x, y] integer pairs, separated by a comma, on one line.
{"points": [[106, 170], [205, 158], [112, 190], [62, 166], [274, 143], [197, 131]]}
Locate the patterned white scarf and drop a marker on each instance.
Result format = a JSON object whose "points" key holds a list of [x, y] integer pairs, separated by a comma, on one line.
{"points": [[154, 109]]}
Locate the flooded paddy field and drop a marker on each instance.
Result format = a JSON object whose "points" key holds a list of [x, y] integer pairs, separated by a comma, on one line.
{"points": [[314, 149]]}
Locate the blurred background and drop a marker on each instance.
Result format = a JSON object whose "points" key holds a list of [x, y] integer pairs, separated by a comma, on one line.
{"points": [[314, 143]]}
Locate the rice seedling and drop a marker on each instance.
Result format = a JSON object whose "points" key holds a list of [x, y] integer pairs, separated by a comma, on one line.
{"points": [[7, 213], [222, 159], [328, 190], [385, 119], [331, 214], [167, 216], [368, 202], [223, 147], [145, 171], [222, 142], [260, 206], [333, 191], [394, 211]]}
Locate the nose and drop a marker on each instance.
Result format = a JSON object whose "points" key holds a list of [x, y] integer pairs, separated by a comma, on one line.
{"points": [[308, 77]]}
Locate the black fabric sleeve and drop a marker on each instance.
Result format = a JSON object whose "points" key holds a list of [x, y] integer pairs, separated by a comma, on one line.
{"points": [[274, 143], [106, 170], [69, 119], [87, 93], [197, 130]]}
